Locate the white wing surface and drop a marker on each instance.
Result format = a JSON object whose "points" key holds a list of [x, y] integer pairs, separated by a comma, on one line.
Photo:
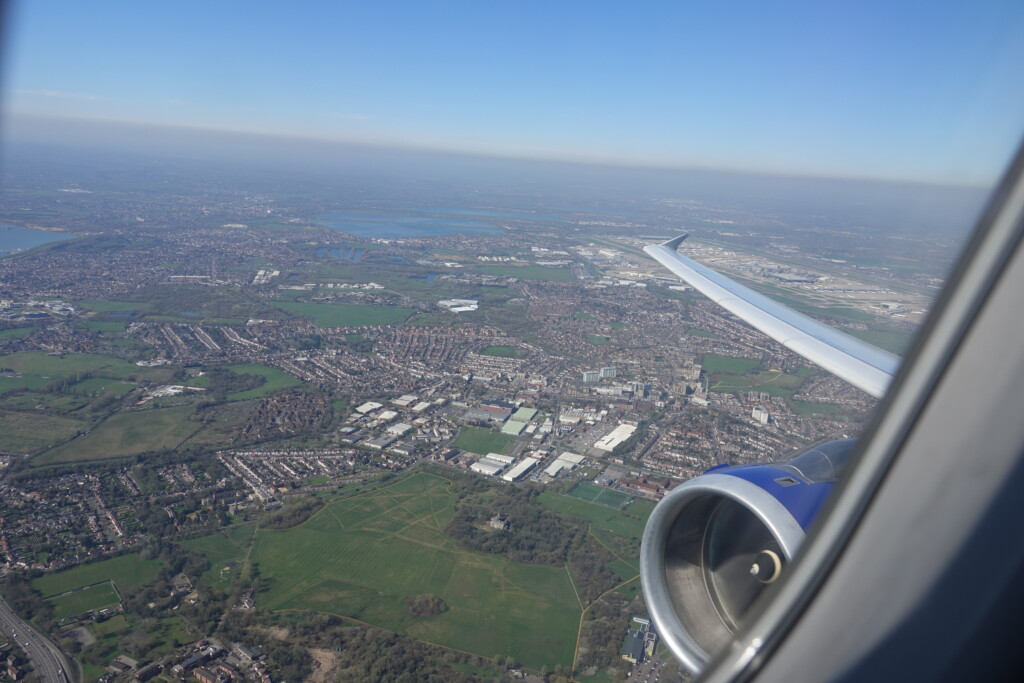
{"points": [[866, 367]]}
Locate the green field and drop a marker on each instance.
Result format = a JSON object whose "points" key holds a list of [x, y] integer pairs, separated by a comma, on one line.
{"points": [[99, 385], [500, 351], [772, 382], [46, 368], [693, 331], [362, 556], [128, 572], [598, 339], [32, 432], [226, 550], [807, 408], [600, 495], [483, 441], [339, 315], [226, 422], [712, 364], [276, 379], [530, 273], [602, 517], [17, 332], [81, 601], [126, 434]]}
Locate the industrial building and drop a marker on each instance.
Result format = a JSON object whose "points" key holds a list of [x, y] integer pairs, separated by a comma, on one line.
{"points": [[513, 427], [613, 439], [565, 461], [521, 469]]}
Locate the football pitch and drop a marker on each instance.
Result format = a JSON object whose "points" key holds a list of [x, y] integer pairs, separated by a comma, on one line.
{"points": [[362, 556], [599, 495]]}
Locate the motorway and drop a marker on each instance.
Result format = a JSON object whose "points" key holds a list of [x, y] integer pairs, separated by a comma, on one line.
{"points": [[48, 661]]}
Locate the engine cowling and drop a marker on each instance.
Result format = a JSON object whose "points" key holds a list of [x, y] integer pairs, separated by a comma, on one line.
{"points": [[715, 543]]}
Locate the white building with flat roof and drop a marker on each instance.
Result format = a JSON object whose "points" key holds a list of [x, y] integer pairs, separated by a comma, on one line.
{"points": [[521, 469], [614, 438]]}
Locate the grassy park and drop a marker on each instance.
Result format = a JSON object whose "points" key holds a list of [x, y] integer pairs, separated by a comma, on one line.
{"points": [[362, 556]]}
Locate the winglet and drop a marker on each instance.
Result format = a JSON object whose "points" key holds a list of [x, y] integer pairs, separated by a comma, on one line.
{"points": [[674, 243]]}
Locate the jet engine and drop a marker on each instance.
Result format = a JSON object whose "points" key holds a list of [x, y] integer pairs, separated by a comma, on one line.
{"points": [[716, 542]]}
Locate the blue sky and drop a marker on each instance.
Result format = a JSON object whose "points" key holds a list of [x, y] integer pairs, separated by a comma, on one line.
{"points": [[909, 90]]}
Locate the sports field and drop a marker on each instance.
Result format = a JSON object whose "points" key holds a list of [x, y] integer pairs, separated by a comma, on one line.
{"points": [[598, 339], [627, 525], [83, 600], [128, 572], [362, 556], [338, 315], [127, 434], [483, 441], [275, 379], [599, 494]]}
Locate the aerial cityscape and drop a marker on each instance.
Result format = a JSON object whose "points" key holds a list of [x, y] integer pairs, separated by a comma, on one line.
{"points": [[248, 413], [329, 347]]}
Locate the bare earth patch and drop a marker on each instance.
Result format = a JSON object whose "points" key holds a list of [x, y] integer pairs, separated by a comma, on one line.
{"points": [[323, 667]]}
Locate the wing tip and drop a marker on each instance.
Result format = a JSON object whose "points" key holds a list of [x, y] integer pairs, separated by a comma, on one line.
{"points": [[674, 243]]}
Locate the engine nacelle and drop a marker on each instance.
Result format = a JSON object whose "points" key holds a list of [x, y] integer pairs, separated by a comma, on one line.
{"points": [[713, 545]]}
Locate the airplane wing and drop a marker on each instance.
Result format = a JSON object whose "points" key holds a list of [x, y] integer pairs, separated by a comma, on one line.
{"points": [[866, 367]]}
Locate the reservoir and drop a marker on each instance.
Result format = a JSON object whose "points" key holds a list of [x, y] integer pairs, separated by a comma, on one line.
{"points": [[13, 239]]}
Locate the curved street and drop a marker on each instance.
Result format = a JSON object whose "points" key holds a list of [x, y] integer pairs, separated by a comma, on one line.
{"points": [[47, 659]]}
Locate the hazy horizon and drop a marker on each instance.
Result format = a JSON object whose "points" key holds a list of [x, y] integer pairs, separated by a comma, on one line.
{"points": [[884, 90]]}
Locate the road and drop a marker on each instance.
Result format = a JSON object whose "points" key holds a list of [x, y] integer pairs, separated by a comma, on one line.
{"points": [[48, 661]]}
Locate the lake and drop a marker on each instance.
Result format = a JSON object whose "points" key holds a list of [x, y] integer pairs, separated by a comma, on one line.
{"points": [[13, 238]]}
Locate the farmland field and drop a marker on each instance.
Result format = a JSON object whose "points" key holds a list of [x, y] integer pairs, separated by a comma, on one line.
{"points": [[483, 441], [336, 315], [128, 572], [127, 434], [31, 432], [362, 556]]}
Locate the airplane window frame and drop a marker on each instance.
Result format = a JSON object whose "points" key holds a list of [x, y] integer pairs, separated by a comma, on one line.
{"points": [[994, 247]]}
